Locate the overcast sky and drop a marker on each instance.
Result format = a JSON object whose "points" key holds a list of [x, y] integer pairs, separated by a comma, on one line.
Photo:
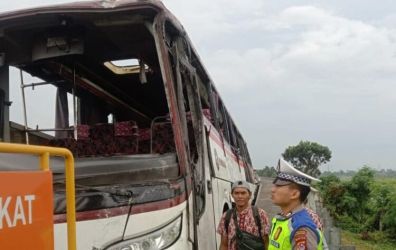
{"points": [[322, 71]]}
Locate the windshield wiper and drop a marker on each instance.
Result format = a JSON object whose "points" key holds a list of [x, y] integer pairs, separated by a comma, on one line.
{"points": [[117, 192]]}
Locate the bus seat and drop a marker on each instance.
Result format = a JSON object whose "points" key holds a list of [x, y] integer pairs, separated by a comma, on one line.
{"points": [[102, 136], [145, 134], [163, 140], [126, 128], [126, 137], [144, 140], [85, 148], [126, 145], [83, 131], [102, 131], [69, 143]]}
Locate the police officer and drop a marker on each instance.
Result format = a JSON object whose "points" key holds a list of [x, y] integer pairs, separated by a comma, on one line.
{"points": [[293, 228]]}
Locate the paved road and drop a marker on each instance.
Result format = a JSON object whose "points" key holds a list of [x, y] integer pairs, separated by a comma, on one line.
{"points": [[264, 198]]}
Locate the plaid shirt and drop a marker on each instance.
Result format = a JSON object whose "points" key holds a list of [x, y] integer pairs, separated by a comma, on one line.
{"points": [[315, 217], [246, 223]]}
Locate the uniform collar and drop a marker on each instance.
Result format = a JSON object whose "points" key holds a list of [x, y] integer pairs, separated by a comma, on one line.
{"points": [[282, 216]]}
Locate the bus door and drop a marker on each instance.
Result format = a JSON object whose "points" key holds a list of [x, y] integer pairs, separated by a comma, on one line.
{"points": [[221, 173]]}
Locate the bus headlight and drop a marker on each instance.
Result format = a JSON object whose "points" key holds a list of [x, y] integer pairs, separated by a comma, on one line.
{"points": [[156, 240]]}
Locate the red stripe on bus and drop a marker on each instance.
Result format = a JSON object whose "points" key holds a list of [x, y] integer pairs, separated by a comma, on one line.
{"points": [[219, 142]]}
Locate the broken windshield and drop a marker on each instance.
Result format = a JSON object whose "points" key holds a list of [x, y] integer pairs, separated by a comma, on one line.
{"points": [[90, 82]]}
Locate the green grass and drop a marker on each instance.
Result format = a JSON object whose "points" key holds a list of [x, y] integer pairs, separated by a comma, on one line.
{"points": [[376, 243], [387, 180]]}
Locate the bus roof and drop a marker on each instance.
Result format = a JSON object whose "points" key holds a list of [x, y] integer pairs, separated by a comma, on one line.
{"points": [[102, 5]]}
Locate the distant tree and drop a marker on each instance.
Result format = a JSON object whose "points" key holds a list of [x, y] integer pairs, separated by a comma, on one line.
{"points": [[267, 172], [362, 204], [379, 204], [308, 156], [390, 218], [328, 180], [332, 191], [350, 173], [390, 173], [327, 173], [360, 188]]}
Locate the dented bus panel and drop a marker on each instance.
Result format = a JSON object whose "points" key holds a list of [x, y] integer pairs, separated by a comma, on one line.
{"points": [[155, 147]]}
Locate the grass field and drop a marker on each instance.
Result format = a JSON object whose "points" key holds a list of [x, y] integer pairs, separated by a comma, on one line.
{"points": [[387, 180], [351, 239]]}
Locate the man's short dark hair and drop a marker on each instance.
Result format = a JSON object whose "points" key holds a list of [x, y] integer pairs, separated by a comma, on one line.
{"points": [[304, 191]]}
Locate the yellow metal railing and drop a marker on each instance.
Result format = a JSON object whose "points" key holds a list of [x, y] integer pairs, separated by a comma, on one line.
{"points": [[44, 153]]}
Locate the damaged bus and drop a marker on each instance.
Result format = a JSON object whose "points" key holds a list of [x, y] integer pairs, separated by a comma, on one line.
{"points": [[155, 147]]}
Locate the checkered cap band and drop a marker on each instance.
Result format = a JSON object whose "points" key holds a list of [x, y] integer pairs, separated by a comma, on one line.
{"points": [[293, 178]]}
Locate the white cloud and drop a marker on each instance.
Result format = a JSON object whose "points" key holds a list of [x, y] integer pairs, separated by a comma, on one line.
{"points": [[292, 72], [343, 44], [330, 80], [325, 47]]}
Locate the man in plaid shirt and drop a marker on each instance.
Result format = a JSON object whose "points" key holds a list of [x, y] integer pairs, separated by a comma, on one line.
{"points": [[241, 194]]}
